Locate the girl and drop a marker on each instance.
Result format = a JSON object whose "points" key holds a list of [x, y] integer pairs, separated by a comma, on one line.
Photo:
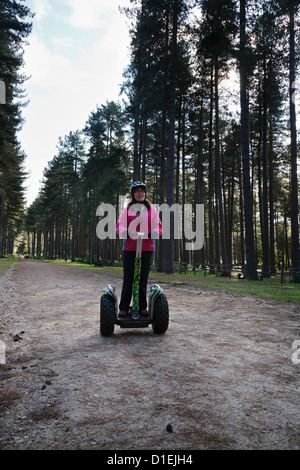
{"points": [[138, 216]]}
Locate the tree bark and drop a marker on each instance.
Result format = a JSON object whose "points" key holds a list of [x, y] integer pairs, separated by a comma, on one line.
{"points": [[294, 178], [248, 203], [170, 187], [218, 175]]}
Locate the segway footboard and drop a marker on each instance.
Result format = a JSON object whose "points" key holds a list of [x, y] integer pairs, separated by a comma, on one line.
{"points": [[129, 322]]}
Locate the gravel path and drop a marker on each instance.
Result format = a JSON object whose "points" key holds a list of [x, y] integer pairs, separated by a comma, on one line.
{"points": [[221, 377]]}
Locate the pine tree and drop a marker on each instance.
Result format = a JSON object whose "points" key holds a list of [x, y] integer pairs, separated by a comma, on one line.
{"points": [[14, 29], [248, 202]]}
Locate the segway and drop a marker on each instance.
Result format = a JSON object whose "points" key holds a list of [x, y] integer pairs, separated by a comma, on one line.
{"points": [[158, 304]]}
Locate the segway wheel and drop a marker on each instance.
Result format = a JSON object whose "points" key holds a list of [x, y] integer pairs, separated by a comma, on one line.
{"points": [[107, 315], [161, 315]]}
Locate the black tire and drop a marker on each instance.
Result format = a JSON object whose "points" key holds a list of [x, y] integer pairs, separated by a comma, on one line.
{"points": [[107, 315], [161, 315]]}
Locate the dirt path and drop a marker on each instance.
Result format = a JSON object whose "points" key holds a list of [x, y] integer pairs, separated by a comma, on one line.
{"points": [[222, 375]]}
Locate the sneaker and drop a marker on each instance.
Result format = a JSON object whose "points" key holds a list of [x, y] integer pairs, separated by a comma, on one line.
{"points": [[144, 313], [123, 313]]}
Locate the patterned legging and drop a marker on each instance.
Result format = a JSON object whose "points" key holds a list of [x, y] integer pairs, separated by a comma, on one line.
{"points": [[128, 276]]}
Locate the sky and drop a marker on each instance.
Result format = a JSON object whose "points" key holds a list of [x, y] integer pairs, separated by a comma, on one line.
{"points": [[75, 58]]}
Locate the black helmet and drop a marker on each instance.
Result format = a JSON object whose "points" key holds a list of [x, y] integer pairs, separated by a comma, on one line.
{"points": [[136, 184]]}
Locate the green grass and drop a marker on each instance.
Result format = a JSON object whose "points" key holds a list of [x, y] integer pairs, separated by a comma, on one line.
{"points": [[6, 263], [83, 265], [268, 289]]}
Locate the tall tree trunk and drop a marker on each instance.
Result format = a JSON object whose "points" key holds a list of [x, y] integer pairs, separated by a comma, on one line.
{"points": [[136, 166], [185, 257], [74, 216], [161, 246], [218, 174], [241, 206], [199, 257], [211, 251], [231, 190], [259, 165], [294, 179], [271, 202], [265, 205], [248, 203], [170, 187], [144, 148], [33, 242]]}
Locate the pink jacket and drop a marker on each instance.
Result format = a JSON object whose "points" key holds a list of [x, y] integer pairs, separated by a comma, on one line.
{"points": [[148, 222]]}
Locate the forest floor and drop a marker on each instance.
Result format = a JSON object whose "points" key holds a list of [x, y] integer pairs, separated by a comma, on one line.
{"points": [[221, 377]]}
